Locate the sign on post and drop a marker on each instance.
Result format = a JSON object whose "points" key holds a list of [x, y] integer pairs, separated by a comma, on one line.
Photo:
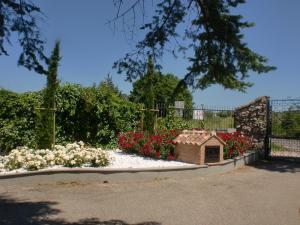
{"points": [[179, 106], [198, 114]]}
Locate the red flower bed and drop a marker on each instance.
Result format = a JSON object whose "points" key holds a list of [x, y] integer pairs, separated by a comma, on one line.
{"points": [[158, 145], [236, 144]]}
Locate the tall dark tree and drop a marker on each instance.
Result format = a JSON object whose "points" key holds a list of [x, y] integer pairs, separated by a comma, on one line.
{"points": [[149, 119], [20, 17], [213, 32], [164, 86], [46, 120]]}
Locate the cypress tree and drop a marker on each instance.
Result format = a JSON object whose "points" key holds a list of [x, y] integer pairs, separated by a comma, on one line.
{"points": [[149, 119], [46, 115]]}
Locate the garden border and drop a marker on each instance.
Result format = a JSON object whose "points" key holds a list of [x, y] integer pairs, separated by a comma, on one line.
{"points": [[226, 165]]}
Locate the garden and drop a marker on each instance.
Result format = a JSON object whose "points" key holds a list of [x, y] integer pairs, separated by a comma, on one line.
{"points": [[73, 126], [133, 149]]}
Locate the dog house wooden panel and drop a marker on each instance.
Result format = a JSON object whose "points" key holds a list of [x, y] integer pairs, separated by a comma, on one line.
{"points": [[199, 147], [188, 153]]}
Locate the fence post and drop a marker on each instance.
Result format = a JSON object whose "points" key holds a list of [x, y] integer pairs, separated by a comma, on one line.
{"points": [[268, 134]]}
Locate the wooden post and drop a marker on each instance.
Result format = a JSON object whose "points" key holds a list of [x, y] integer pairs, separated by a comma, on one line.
{"points": [[53, 141], [52, 110], [151, 110], [142, 125], [155, 124]]}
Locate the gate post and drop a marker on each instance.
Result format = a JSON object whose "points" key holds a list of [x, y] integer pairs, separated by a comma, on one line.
{"points": [[253, 120], [267, 142]]}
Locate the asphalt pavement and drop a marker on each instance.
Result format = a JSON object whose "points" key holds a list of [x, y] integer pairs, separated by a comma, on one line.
{"points": [[264, 194]]}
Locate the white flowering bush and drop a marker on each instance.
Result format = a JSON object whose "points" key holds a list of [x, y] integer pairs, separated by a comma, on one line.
{"points": [[71, 155], [1, 163]]}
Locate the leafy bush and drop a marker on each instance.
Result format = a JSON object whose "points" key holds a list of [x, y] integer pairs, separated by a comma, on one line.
{"points": [[17, 120], [236, 144], [158, 145], [71, 155], [171, 121], [94, 115], [287, 123]]}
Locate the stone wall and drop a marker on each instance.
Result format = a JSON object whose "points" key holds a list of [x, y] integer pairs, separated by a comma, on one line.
{"points": [[252, 120]]}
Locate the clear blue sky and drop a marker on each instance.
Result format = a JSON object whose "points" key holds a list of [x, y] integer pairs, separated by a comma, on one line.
{"points": [[89, 48]]}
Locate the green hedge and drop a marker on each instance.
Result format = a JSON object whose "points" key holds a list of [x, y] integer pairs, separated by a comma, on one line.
{"points": [[94, 115], [17, 119]]}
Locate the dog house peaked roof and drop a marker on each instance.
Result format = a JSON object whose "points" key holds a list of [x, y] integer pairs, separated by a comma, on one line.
{"points": [[196, 137]]}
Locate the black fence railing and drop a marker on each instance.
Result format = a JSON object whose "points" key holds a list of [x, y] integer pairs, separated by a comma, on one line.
{"points": [[285, 127], [201, 117]]}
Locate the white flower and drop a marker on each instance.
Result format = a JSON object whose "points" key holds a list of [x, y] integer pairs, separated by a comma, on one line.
{"points": [[81, 144], [70, 155]]}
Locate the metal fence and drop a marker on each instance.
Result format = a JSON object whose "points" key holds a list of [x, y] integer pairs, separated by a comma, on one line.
{"points": [[285, 128], [201, 117]]}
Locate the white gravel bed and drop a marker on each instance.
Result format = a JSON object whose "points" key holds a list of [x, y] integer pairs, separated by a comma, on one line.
{"points": [[123, 160], [119, 160]]}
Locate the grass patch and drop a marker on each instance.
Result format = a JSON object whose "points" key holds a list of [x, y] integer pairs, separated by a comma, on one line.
{"points": [[212, 123], [277, 147]]}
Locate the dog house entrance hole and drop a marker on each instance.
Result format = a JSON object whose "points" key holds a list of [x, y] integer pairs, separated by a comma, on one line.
{"points": [[212, 154]]}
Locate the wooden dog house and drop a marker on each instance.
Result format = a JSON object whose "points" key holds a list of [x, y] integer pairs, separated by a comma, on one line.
{"points": [[199, 147]]}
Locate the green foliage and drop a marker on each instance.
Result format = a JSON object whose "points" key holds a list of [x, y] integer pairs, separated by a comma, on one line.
{"points": [[291, 123], [108, 82], [286, 123], [212, 123], [214, 34], [20, 18], [164, 87], [94, 115], [46, 115], [17, 119], [149, 119], [224, 114], [171, 121], [275, 147]]}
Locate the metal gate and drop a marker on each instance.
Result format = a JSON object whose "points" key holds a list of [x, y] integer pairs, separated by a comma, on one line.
{"points": [[284, 128]]}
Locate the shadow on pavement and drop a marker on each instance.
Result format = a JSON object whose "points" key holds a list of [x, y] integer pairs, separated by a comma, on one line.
{"points": [[279, 165], [14, 212]]}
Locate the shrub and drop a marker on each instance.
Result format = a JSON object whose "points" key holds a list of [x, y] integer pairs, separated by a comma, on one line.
{"points": [[17, 120], [94, 115], [171, 121], [236, 144], [157, 145], [71, 155]]}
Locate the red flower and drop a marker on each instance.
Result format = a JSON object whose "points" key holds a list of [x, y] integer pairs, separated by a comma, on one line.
{"points": [[157, 154], [160, 145], [236, 144], [170, 157]]}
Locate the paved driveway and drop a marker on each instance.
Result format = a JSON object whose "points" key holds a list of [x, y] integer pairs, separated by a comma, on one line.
{"points": [[265, 194]]}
